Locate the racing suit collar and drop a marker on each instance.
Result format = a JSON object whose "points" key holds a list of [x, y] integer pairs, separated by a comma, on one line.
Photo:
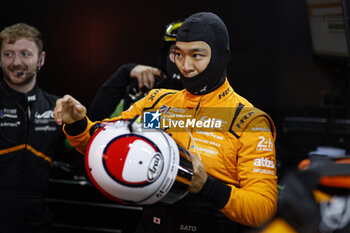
{"points": [[213, 97]]}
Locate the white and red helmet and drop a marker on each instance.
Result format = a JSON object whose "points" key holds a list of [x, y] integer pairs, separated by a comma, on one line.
{"points": [[131, 165]]}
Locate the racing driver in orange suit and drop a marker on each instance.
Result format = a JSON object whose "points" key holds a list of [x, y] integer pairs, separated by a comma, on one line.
{"points": [[233, 157]]}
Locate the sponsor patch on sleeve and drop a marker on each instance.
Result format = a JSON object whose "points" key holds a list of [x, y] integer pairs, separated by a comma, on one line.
{"points": [[264, 165]]}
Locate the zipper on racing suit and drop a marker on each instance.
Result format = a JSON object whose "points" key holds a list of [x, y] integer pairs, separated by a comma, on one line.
{"points": [[30, 100], [194, 116], [27, 118]]}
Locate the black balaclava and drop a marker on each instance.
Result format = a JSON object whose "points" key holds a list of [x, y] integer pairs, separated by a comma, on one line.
{"points": [[207, 27]]}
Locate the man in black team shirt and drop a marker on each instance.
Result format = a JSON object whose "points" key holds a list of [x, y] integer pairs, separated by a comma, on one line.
{"points": [[28, 132]]}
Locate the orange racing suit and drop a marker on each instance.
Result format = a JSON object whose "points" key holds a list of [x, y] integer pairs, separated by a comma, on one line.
{"points": [[240, 152]]}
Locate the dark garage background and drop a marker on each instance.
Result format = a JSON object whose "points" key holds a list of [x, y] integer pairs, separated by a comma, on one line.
{"points": [[272, 65], [86, 41]]}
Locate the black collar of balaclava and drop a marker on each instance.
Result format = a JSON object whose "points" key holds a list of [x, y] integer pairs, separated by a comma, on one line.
{"points": [[207, 27]]}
